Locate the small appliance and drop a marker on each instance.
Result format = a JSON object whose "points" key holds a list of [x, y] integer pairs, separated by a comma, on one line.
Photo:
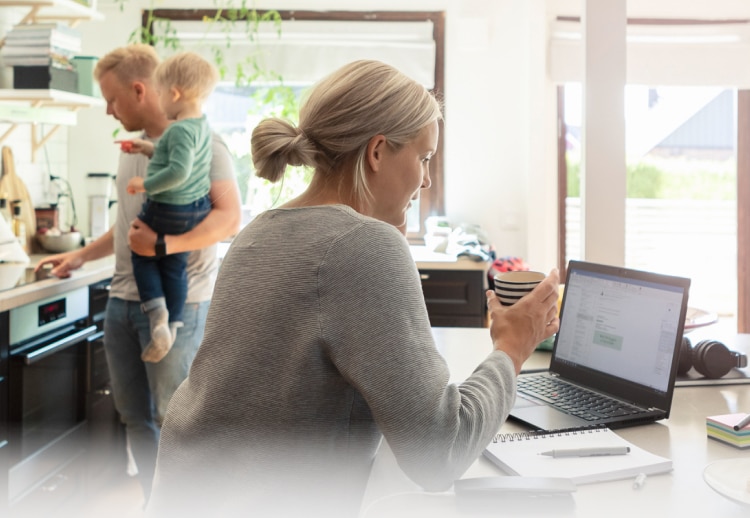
{"points": [[100, 191]]}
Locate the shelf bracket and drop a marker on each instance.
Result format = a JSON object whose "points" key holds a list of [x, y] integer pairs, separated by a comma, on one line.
{"points": [[30, 16], [38, 142]]}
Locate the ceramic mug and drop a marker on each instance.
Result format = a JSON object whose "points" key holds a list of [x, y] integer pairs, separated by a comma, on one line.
{"points": [[511, 286]]}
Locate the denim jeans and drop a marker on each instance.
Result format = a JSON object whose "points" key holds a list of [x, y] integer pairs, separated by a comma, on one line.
{"points": [[166, 276], [142, 390]]}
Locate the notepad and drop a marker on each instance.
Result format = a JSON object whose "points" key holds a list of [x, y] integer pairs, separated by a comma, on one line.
{"points": [[721, 428], [520, 454]]}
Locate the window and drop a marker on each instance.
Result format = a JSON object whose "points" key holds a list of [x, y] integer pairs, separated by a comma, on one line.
{"points": [[681, 207], [295, 51], [704, 58]]}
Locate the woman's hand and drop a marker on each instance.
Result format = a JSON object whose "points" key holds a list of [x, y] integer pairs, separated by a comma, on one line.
{"points": [[518, 329]]}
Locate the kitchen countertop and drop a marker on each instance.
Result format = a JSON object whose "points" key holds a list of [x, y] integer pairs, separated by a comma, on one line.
{"points": [[90, 273], [95, 271]]}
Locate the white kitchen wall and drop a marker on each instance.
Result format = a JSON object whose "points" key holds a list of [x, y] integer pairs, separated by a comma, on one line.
{"points": [[499, 134], [35, 174]]}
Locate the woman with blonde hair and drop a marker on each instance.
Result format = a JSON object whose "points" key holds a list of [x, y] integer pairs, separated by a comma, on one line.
{"points": [[318, 343]]}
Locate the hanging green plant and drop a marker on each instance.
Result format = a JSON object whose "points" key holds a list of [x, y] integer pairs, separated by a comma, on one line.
{"points": [[230, 24]]}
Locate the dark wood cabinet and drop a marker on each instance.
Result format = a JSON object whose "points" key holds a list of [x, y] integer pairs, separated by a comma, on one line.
{"points": [[454, 292], [107, 458]]}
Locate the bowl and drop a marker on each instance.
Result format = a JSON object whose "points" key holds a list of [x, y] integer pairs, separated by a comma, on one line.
{"points": [[64, 242], [10, 273]]}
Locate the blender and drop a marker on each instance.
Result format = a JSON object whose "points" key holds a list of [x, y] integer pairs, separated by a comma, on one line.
{"points": [[100, 191]]}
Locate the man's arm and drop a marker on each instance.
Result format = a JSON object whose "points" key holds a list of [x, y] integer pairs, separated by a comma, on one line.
{"points": [[222, 221], [63, 264]]}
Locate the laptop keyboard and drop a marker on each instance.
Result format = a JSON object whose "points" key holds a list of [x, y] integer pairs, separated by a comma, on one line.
{"points": [[572, 399]]}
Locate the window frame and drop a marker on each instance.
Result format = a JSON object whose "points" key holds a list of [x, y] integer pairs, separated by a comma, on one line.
{"points": [[432, 201]]}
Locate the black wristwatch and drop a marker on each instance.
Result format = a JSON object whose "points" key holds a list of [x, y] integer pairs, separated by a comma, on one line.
{"points": [[160, 248]]}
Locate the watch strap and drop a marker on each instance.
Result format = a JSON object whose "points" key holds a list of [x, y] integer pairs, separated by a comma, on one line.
{"points": [[160, 247]]}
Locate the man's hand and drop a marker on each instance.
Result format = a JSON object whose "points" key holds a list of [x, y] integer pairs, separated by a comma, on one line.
{"points": [[62, 264], [141, 238]]}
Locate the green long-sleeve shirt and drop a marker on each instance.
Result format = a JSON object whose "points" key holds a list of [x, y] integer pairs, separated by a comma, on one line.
{"points": [[178, 171]]}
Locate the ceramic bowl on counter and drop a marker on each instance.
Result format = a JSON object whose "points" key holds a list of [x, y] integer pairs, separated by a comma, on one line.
{"points": [[56, 243]]}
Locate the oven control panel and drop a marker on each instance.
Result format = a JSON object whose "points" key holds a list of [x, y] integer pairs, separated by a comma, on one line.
{"points": [[45, 315]]}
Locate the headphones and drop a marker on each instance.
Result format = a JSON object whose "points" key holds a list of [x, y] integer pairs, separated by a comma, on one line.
{"points": [[710, 358]]}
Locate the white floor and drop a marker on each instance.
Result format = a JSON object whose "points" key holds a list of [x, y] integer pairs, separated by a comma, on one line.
{"points": [[122, 498]]}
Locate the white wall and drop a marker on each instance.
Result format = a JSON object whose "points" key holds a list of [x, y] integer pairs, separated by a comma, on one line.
{"points": [[500, 134], [35, 174]]}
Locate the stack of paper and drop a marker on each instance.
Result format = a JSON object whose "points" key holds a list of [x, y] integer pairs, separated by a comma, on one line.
{"points": [[721, 428], [41, 44]]}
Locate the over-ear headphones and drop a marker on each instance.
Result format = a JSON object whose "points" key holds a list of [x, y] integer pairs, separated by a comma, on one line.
{"points": [[710, 358]]}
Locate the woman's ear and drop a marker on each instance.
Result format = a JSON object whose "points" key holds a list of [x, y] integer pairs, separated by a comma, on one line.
{"points": [[375, 150]]}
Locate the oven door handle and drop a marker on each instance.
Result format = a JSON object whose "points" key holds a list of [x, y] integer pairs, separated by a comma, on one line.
{"points": [[59, 345]]}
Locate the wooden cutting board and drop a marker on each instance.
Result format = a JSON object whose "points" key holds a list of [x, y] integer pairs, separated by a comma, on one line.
{"points": [[13, 188]]}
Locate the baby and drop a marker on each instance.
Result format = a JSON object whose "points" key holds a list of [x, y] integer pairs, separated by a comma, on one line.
{"points": [[176, 185]]}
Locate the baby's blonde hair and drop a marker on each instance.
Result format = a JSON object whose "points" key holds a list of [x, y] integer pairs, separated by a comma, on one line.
{"points": [[194, 76]]}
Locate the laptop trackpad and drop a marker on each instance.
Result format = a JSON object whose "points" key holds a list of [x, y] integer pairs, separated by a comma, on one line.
{"points": [[547, 418]]}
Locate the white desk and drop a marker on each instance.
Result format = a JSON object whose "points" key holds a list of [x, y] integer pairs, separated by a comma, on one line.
{"points": [[681, 493]]}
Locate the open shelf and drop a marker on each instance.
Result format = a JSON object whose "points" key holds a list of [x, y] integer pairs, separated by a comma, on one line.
{"points": [[69, 11], [39, 107]]}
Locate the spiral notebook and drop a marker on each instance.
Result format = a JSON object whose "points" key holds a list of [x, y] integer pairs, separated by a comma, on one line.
{"points": [[520, 454]]}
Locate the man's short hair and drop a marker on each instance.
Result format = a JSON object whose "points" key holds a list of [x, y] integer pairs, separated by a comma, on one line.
{"points": [[135, 62]]}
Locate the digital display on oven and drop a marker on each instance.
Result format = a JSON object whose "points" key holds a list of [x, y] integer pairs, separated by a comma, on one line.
{"points": [[51, 311]]}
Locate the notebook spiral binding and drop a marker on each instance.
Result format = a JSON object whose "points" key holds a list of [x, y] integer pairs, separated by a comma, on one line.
{"points": [[543, 434]]}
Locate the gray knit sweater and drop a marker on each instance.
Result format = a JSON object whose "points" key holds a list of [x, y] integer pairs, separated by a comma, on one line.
{"points": [[317, 344]]}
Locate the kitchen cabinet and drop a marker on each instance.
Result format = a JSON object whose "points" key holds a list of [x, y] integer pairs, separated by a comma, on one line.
{"points": [[52, 108], [107, 444], [454, 292]]}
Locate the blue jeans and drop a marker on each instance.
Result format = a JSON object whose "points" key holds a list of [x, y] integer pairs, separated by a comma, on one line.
{"points": [[166, 276], [141, 389]]}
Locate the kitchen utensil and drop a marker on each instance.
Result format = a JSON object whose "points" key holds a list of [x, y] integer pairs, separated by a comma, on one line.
{"points": [[60, 242], [12, 185]]}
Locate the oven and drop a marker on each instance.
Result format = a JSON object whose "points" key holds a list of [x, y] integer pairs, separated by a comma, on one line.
{"points": [[47, 384]]}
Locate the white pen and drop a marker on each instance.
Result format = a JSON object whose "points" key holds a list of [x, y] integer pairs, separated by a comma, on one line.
{"points": [[639, 481], [743, 423], [587, 452]]}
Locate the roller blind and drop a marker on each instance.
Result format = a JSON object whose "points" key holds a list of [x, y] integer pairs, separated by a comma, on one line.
{"points": [[302, 51], [700, 54]]}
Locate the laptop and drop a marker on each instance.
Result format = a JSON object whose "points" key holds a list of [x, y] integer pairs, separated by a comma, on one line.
{"points": [[614, 358]]}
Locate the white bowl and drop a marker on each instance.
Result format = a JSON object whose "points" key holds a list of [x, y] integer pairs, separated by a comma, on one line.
{"points": [[60, 243], [10, 273]]}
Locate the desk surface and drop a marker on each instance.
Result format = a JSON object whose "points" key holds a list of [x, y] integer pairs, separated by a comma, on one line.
{"points": [[682, 438]]}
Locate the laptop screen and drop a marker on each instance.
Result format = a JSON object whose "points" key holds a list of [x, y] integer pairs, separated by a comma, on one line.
{"points": [[620, 325]]}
